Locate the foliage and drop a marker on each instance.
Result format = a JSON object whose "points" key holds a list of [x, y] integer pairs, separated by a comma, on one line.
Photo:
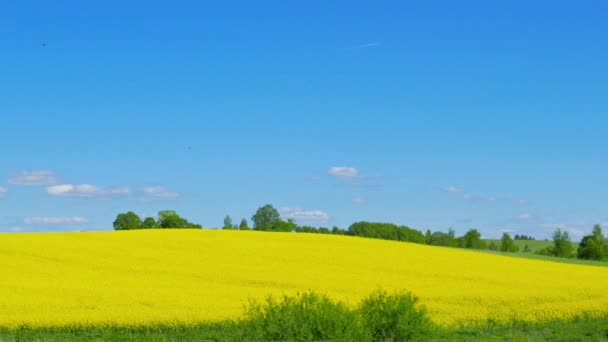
{"points": [[394, 317], [170, 219], [442, 239], [304, 317], [507, 244], [562, 246], [386, 231], [266, 218], [149, 222], [127, 221], [227, 222], [493, 246], [594, 246], [244, 225], [472, 239]]}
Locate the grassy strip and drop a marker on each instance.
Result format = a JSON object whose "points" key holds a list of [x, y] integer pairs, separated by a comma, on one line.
{"points": [[309, 316], [591, 329]]}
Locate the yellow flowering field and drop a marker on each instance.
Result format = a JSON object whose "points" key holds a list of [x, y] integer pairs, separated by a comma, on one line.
{"points": [[191, 276]]}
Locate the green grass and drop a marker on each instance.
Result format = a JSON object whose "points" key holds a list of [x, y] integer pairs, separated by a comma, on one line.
{"points": [[592, 329]]}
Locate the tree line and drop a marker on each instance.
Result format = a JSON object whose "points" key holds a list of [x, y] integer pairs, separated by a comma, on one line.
{"points": [[267, 218], [167, 219], [591, 247]]}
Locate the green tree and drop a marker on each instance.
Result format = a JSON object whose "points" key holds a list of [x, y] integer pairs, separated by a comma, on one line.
{"points": [[170, 219], [127, 221], [244, 225], [265, 218], [149, 222], [562, 245], [594, 246], [427, 236], [472, 239], [227, 222], [507, 244], [285, 226]]}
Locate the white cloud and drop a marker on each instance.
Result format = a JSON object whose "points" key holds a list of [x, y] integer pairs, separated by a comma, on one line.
{"points": [[491, 199], [367, 45], [55, 220], [85, 190], [159, 191], [3, 192], [468, 197], [525, 217], [359, 200], [343, 172], [34, 178], [453, 189], [16, 229], [521, 201], [304, 215]]}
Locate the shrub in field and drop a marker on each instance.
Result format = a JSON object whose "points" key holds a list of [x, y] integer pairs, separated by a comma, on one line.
{"points": [[394, 317], [304, 317]]}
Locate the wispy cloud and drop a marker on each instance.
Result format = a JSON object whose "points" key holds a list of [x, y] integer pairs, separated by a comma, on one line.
{"points": [[304, 215], [3, 192], [359, 200], [16, 229], [524, 217], [367, 45], [343, 172], [160, 191], [34, 178], [55, 220], [86, 190], [453, 189]]}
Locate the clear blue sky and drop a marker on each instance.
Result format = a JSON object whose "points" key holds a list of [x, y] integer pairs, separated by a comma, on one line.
{"points": [[492, 115]]}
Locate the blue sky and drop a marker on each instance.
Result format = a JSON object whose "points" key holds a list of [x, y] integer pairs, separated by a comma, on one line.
{"points": [[476, 114]]}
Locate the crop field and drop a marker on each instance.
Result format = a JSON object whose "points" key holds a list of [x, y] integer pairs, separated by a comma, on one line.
{"points": [[183, 277]]}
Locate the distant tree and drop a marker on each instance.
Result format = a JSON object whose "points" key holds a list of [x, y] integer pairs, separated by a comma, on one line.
{"points": [[562, 245], [507, 244], [440, 239], [149, 222], [472, 239], [526, 249], [265, 218], [324, 230], [452, 233], [127, 221], [337, 231], [244, 225], [594, 246], [285, 226], [170, 219], [427, 236], [227, 222], [493, 246]]}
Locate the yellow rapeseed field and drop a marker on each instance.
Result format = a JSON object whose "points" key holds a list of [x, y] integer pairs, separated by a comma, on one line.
{"points": [[190, 276]]}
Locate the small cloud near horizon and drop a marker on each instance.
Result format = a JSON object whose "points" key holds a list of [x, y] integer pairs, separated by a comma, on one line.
{"points": [[55, 220], [86, 190], [3, 192], [359, 200], [304, 215], [34, 178], [453, 189], [343, 172], [160, 191], [367, 45]]}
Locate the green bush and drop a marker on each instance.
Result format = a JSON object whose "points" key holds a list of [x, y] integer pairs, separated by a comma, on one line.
{"points": [[305, 317], [394, 317]]}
